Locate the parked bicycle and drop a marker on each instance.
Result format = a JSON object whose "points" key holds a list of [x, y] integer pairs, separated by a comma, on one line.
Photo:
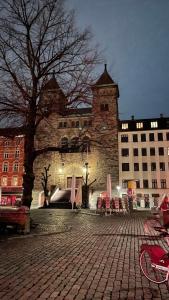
{"points": [[154, 260]]}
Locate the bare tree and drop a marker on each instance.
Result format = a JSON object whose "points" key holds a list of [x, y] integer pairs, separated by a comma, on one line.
{"points": [[37, 37]]}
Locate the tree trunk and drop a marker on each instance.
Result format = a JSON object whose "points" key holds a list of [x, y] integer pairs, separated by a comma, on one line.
{"points": [[28, 176]]}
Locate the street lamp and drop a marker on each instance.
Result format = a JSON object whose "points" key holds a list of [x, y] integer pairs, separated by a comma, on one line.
{"points": [[118, 189]]}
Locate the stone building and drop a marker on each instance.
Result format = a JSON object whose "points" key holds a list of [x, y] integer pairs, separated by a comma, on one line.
{"points": [[94, 128]]}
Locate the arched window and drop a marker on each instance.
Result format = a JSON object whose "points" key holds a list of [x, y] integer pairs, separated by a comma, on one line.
{"points": [[74, 144], [86, 144], [16, 166], [64, 144], [5, 167]]}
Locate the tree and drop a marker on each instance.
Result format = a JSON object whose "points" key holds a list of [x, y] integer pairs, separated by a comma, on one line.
{"points": [[38, 37], [44, 183]]}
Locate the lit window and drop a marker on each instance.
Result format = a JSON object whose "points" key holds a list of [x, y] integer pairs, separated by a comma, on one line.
{"points": [[17, 154], [14, 180], [16, 167], [125, 126], [5, 167], [154, 124], [4, 181], [139, 125], [6, 154]]}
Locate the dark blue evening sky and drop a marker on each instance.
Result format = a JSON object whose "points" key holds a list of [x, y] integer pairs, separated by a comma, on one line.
{"points": [[134, 38]]}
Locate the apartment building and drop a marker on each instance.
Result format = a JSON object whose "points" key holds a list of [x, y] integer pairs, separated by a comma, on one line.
{"points": [[11, 168], [144, 158]]}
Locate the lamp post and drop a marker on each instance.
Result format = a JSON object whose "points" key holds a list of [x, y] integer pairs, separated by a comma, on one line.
{"points": [[85, 187]]}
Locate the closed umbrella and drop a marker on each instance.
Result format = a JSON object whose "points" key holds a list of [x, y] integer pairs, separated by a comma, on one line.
{"points": [[109, 186], [72, 195]]}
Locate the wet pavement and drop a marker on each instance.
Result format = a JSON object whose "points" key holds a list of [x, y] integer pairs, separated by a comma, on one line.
{"points": [[74, 256]]}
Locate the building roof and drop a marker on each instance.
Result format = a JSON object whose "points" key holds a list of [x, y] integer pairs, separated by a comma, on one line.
{"points": [[78, 111], [12, 131], [145, 124], [52, 84], [105, 78]]}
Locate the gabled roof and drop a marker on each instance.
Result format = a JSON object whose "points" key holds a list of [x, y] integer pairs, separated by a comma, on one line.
{"points": [[105, 78]]}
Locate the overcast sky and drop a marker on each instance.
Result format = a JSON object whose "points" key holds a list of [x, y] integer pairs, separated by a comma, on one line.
{"points": [[134, 37]]}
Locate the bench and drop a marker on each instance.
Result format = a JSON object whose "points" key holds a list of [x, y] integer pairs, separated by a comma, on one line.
{"points": [[15, 216]]}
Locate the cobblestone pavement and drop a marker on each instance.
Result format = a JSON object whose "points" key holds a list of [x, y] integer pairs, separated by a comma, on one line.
{"points": [[75, 256]]}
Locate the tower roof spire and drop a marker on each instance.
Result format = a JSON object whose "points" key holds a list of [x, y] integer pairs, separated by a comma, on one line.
{"points": [[105, 78]]}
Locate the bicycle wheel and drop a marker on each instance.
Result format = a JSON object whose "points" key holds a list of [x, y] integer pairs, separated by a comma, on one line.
{"points": [[150, 272]]}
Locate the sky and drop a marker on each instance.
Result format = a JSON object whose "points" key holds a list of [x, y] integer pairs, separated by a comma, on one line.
{"points": [[133, 36]]}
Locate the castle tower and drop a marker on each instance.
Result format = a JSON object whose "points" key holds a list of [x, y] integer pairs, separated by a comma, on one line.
{"points": [[105, 125], [54, 96]]}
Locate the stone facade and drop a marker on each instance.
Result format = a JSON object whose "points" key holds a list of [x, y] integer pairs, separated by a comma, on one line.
{"points": [[94, 128]]}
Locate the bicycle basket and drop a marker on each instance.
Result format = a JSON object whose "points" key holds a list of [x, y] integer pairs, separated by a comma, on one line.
{"points": [[156, 252]]}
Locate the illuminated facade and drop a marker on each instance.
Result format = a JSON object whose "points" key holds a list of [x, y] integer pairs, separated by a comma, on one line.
{"points": [[11, 168], [144, 157], [94, 128]]}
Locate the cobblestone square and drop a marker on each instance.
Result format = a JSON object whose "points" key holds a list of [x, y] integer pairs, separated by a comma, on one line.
{"points": [[74, 256]]}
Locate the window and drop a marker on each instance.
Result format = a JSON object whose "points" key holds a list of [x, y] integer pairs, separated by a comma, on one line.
{"points": [[154, 124], [73, 124], [125, 167], [14, 180], [144, 166], [160, 136], [4, 181], [152, 151], [104, 107], [64, 124], [124, 126], [6, 143], [15, 167], [17, 152], [162, 166], [77, 124], [137, 184], [124, 184], [135, 151], [163, 184], [136, 167], [151, 137], [60, 124], [5, 167], [124, 138], [74, 144], [144, 151], [6, 154], [161, 151], [154, 183], [145, 183], [135, 138], [167, 136], [125, 152], [86, 123], [143, 137], [153, 166], [64, 143], [139, 125]]}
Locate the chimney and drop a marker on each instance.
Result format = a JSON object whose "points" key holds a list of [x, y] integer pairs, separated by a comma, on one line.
{"points": [[132, 117]]}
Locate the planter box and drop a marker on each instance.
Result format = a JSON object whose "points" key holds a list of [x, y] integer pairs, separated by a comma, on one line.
{"points": [[15, 216]]}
